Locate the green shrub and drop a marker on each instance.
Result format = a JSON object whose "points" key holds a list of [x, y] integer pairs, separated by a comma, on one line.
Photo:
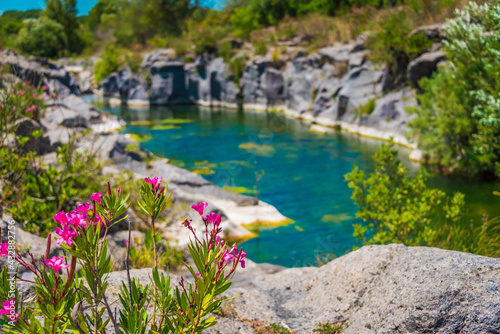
{"points": [[458, 121], [402, 209], [42, 37], [110, 62], [328, 328], [391, 45], [366, 109], [397, 207]]}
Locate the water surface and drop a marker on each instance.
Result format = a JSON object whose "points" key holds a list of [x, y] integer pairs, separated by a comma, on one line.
{"points": [[301, 173]]}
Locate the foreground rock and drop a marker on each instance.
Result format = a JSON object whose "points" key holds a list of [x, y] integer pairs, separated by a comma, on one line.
{"points": [[377, 289]]}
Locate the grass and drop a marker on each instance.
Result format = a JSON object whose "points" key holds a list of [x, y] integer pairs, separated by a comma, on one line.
{"points": [[328, 328]]}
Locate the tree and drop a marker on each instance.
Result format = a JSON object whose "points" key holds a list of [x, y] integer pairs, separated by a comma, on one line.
{"points": [[397, 207], [458, 121], [64, 12], [42, 37]]}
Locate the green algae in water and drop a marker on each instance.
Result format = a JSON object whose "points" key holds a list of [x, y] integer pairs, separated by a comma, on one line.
{"points": [[202, 171], [261, 150], [239, 190], [165, 127], [337, 218], [140, 137], [162, 122]]}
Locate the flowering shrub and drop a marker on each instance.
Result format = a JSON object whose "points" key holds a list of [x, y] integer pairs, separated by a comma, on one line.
{"points": [[76, 301]]}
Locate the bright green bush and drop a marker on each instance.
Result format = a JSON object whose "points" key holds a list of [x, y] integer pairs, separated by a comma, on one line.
{"points": [[42, 37], [110, 62], [458, 121], [397, 207]]}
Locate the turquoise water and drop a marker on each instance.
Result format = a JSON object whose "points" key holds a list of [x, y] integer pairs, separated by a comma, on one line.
{"points": [[302, 173]]}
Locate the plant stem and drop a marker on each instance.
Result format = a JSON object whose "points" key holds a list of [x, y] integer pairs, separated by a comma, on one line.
{"points": [[156, 266], [128, 265]]}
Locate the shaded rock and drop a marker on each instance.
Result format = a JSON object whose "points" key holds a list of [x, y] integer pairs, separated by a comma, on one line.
{"points": [[168, 84], [42, 145], [326, 92], [357, 59], [379, 289], [274, 85], [433, 32], [125, 150], [424, 66]]}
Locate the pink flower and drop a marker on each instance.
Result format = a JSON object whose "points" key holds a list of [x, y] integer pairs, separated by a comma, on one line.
{"points": [[199, 207], [60, 218], [77, 219], [8, 308], [125, 241], [56, 263], [4, 249], [82, 208], [155, 182], [14, 108], [228, 256], [242, 258], [213, 219], [118, 191], [98, 219], [198, 274], [66, 234], [45, 87], [96, 197]]}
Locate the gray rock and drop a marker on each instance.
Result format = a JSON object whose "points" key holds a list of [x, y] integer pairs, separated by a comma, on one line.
{"points": [[157, 56], [125, 150], [379, 289], [336, 53], [327, 89], [360, 85], [274, 85], [40, 71], [390, 113], [168, 84], [433, 32], [357, 59], [424, 66]]}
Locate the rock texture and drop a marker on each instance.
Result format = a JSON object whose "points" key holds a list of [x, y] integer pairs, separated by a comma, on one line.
{"points": [[377, 289]]}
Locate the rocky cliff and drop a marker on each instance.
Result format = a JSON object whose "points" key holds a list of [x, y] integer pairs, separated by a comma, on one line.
{"points": [[328, 87]]}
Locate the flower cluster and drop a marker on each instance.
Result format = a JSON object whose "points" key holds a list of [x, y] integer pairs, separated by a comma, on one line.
{"points": [[4, 249], [212, 230], [155, 184]]}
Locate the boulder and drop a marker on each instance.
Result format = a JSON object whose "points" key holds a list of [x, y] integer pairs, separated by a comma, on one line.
{"points": [[125, 150], [376, 289], [328, 88], [424, 66], [41, 145]]}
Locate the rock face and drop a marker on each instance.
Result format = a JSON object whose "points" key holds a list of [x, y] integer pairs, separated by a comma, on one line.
{"points": [[377, 289], [40, 71]]}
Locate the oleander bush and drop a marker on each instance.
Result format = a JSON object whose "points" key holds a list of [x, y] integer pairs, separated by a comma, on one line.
{"points": [[76, 302]]}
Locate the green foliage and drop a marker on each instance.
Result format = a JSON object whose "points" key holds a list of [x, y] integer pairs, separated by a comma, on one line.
{"points": [[391, 45], [366, 109], [110, 62], [328, 328], [142, 256], [397, 207], [19, 15], [100, 10], [42, 37], [273, 329], [458, 121], [30, 188], [64, 12], [237, 67]]}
